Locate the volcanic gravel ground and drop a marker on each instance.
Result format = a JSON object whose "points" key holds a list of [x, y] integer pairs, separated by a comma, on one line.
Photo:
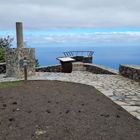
{"points": [[52, 110]]}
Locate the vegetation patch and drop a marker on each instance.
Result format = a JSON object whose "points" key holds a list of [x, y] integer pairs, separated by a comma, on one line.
{"points": [[10, 84]]}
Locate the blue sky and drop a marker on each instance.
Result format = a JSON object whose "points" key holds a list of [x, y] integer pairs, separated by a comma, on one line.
{"points": [[64, 31], [62, 21], [114, 36]]}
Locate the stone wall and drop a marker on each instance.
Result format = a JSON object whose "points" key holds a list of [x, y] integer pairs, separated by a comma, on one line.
{"points": [[2, 68], [79, 66], [99, 69], [14, 62], [53, 68], [130, 71], [84, 59]]}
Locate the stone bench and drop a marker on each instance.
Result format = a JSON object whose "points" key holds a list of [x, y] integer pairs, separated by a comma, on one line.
{"points": [[130, 71]]}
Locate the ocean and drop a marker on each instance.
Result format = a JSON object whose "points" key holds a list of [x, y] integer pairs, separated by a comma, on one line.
{"points": [[110, 56], [111, 47]]}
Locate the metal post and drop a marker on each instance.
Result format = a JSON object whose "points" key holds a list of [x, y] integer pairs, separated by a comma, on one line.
{"points": [[19, 33]]}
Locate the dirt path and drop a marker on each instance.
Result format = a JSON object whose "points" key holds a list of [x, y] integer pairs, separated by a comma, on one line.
{"points": [[52, 110]]}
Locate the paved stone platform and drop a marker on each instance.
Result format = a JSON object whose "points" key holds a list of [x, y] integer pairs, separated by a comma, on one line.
{"points": [[123, 91]]}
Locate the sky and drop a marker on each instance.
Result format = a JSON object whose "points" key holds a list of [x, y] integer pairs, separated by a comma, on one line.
{"points": [[76, 20]]}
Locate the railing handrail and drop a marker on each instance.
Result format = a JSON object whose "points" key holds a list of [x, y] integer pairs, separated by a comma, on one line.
{"points": [[76, 53]]}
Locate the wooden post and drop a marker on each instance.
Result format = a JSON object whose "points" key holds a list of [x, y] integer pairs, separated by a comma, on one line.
{"points": [[25, 69], [19, 33], [25, 73]]}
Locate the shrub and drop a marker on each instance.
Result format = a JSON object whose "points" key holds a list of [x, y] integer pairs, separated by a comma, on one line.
{"points": [[4, 43]]}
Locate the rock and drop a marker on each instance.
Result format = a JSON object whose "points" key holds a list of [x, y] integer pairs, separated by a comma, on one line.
{"points": [[39, 132]]}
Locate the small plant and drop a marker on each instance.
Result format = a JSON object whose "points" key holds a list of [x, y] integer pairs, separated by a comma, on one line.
{"points": [[36, 63]]}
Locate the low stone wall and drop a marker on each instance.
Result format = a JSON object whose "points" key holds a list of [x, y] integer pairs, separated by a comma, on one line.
{"points": [[130, 71], [99, 69], [53, 68], [79, 66], [2, 68]]}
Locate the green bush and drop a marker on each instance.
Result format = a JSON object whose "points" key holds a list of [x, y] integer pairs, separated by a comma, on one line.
{"points": [[4, 43]]}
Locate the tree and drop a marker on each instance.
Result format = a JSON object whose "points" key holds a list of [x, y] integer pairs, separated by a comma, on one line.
{"points": [[4, 44]]}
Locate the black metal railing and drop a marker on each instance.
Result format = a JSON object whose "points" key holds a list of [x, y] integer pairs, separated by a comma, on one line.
{"points": [[78, 53]]}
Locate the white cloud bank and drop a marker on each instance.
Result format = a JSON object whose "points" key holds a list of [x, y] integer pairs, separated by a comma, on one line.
{"points": [[41, 14], [97, 38]]}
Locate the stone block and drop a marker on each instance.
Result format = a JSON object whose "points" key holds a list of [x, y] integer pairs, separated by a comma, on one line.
{"points": [[14, 62], [130, 71], [78, 66], [84, 59]]}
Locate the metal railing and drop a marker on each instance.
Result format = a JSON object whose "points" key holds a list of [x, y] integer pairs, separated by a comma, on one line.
{"points": [[78, 53]]}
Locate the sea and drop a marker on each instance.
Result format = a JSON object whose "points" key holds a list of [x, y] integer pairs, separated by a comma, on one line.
{"points": [[109, 56], [110, 48]]}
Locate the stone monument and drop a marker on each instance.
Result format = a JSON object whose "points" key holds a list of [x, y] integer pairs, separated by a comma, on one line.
{"points": [[16, 56]]}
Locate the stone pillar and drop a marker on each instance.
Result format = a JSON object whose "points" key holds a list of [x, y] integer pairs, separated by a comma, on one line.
{"points": [[19, 34], [15, 57]]}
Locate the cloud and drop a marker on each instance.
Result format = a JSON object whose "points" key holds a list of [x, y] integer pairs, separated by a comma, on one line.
{"points": [[94, 38], [42, 14], [79, 36]]}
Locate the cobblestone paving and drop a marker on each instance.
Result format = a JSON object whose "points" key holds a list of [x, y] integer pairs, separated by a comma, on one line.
{"points": [[122, 91]]}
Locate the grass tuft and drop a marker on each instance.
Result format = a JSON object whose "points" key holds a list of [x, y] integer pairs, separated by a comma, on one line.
{"points": [[10, 84]]}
